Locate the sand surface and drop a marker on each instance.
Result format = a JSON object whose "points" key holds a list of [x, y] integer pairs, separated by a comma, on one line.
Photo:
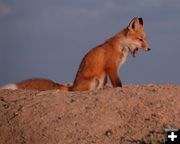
{"points": [[134, 114]]}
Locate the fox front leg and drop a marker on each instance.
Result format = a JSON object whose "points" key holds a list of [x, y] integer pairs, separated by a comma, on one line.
{"points": [[113, 75]]}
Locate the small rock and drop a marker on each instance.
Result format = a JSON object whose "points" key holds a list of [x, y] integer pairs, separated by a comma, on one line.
{"points": [[108, 132]]}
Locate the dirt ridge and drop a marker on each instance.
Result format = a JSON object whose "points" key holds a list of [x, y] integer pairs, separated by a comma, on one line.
{"points": [[132, 114]]}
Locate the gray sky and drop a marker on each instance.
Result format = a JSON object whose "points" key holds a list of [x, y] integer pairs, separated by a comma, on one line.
{"points": [[48, 38]]}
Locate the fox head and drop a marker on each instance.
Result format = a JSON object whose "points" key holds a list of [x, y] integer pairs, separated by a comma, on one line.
{"points": [[136, 36]]}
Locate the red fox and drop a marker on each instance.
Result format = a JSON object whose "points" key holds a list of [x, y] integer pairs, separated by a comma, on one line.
{"points": [[100, 62]]}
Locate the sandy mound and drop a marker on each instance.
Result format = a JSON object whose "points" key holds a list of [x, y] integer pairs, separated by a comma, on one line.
{"points": [[132, 114]]}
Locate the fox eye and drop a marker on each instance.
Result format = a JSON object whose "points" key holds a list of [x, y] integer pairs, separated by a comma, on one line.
{"points": [[140, 39]]}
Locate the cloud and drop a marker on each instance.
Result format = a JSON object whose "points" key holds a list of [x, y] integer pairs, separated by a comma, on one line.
{"points": [[84, 12], [132, 5], [146, 3], [4, 9], [106, 7]]}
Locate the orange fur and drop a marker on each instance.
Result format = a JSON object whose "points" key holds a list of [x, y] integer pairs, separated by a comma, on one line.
{"points": [[106, 59], [100, 62], [40, 84]]}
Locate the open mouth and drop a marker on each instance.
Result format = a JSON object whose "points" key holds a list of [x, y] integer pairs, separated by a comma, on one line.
{"points": [[134, 52]]}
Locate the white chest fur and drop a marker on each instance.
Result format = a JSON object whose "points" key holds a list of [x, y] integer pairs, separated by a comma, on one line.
{"points": [[124, 51]]}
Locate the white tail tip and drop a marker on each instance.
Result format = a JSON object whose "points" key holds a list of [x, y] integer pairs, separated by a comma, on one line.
{"points": [[9, 86]]}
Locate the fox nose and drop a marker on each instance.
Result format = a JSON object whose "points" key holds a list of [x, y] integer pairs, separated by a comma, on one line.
{"points": [[148, 49]]}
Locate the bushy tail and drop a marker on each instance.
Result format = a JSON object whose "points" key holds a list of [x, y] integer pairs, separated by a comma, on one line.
{"points": [[9, 86], [64, 87], [37, 84]]}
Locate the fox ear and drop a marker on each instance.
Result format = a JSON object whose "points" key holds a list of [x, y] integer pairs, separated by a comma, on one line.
{"points": [[135, 24], [141, 21]]}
